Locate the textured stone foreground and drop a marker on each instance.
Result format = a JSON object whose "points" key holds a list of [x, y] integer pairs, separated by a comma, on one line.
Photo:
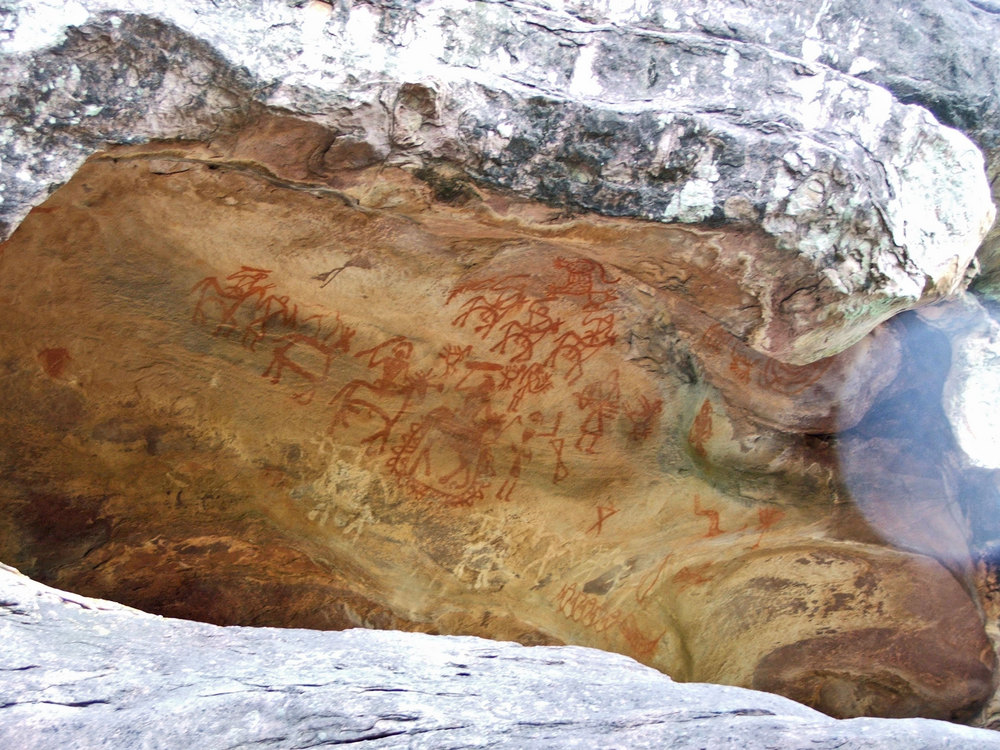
{"points": [[86, 673]]}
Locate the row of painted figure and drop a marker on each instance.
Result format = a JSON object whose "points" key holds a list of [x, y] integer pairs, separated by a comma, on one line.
{"points": [[440, 428]]}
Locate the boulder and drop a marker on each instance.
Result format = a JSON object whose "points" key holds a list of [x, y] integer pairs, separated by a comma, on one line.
{"points": [[99, 675], [940, 55]]}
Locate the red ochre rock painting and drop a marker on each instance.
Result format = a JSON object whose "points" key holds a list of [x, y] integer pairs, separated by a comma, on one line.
{"points": [[368, 409], [469, 425]]}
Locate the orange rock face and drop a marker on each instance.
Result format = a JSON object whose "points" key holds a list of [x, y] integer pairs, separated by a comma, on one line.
{"points": [[244, 385]]}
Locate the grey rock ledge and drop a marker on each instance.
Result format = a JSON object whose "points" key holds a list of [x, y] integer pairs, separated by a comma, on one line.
{"points": [[88, 673]]}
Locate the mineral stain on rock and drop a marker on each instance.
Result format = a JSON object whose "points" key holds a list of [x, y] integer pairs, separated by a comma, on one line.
{"points": [[54, 361]]}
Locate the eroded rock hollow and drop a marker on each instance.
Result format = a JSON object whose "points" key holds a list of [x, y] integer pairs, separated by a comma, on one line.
{"points": [[447, 356]]}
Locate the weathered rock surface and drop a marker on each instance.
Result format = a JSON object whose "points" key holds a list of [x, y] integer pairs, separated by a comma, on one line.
{"points": [[490, 319], [935, 53], [868, 206], [371, 407], [98, 675], [940, 54]]}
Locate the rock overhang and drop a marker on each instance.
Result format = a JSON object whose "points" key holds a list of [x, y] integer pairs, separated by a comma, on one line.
{"points": [[882, 206]]}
